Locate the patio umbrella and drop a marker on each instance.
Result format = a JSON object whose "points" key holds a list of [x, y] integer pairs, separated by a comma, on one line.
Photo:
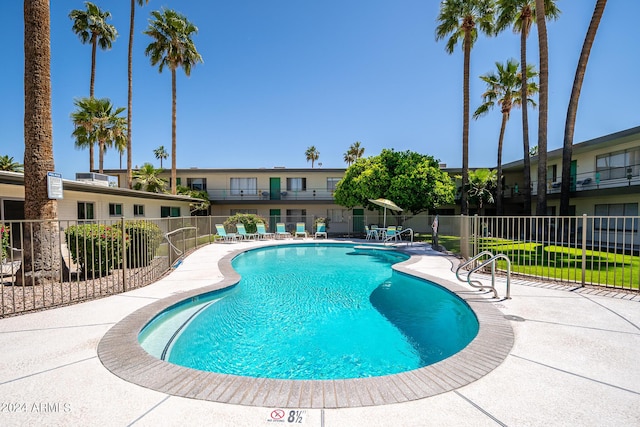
{"points": [[386, 204]]}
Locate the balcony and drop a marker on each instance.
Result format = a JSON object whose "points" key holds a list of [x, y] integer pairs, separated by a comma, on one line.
{"points": [[308, 195], [584, 182]]}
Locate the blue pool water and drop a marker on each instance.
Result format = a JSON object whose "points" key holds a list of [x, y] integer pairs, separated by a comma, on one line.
{"points": [[321, 311]]}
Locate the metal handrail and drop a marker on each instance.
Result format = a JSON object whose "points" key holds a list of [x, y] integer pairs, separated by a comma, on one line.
{"points": [[399, 233], [491, 261], [171, 245]]}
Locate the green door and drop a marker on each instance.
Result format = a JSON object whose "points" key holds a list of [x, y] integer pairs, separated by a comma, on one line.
{"points": [[574, 172], [358, 220], [274, 217], [274, 189]]}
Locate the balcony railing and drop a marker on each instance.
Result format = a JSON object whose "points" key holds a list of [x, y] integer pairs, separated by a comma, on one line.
{"points": [[584, 182], [310, 194]]}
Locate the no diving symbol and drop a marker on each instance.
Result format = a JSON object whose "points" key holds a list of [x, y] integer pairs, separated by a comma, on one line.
{"points": [[277, 414]]}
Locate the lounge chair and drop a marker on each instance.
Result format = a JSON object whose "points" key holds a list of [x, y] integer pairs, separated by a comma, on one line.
{"points": [[321, 230], [243, 232], [300, 229], [281, 230], [226, 237], [371, 234], [262, 232]]}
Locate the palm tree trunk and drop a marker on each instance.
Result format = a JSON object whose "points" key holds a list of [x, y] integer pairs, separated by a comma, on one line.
{"points": [[173, 132], [92, 82], [41, 242], [464, 204], [505, 117], [572, 110], [541, 205], [526, 187], [100, 156], [130, 95]]}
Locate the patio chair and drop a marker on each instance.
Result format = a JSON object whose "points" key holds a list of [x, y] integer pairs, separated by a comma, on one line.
{"points": [[391, 233], [226, 237], [243, 232], [281, 230], [300, 229], [321, 230], [262, 232], [371, 234]]}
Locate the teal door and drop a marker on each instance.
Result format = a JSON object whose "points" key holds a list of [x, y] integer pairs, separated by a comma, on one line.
{"points": [[274, 217], [274, 189], [358, 220], [574, 172]]}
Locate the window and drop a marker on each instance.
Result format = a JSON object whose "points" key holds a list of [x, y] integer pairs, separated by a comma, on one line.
{"points": [[138, 210], [244, 186], [296, 184], [296, 215], [617, 209], [85, 210], [336, 215], [178, 180], [619, 164], [115, 209], [243, 211], [169, 211], [331, 183], [197, 183]]}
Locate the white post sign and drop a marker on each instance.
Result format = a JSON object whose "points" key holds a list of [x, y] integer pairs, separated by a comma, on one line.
{"points": [[54, 185]]}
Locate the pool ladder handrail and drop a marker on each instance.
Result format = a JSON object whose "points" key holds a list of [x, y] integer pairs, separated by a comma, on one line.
{"points": [[490, 261], [398, 235], [171, 245]]}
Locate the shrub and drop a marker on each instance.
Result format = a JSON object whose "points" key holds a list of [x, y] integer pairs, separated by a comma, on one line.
{"points": [[4, 241], [249, 221], [144, 240], [96, 248]]}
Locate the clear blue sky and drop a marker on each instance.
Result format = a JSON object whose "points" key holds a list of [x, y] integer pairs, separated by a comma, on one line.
{"points": [[280, 76]]}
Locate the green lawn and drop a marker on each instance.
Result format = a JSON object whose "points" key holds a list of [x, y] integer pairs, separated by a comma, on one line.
{"points": [[558, 262]]}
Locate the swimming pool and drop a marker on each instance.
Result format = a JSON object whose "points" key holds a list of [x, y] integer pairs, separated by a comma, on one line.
{"points": [[209, 269], [341, 313]]}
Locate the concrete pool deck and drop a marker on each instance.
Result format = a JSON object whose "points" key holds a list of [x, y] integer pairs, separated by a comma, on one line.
{"points": [[574, 362]]}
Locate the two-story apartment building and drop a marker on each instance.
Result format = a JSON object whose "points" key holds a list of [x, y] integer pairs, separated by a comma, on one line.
{"points": [[605, 177]]}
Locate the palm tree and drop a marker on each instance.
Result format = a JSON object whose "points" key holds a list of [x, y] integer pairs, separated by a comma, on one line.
{"points": [[148, 179], [503, 88], [130, 89], [172, 47], [91, 27], [41, 259], [356, 150], [461, 19], [161, 154], [522, 14], [7, 164], [96, 121], [312, 154], [480, 186], [572, 110], [541, 205], [349, 158]]}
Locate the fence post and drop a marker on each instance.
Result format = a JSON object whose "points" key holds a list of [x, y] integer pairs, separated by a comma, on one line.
{"points": [[464, 236], [124, 255], [584, 248]]}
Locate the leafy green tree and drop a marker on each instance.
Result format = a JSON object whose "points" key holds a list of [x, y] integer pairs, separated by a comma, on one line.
{"points": [[8, 164], [160, 154], [460, 20], [130, 89], [202, 195], [147, 178], [413, 181], [96, 121], [312, 154], [482, 182], [503, 89], [572, 110], [172, 47], [522, 15], [91, 27]]}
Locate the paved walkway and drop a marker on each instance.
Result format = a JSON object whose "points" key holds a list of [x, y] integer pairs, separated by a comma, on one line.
{"points": [[575, 362]]}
